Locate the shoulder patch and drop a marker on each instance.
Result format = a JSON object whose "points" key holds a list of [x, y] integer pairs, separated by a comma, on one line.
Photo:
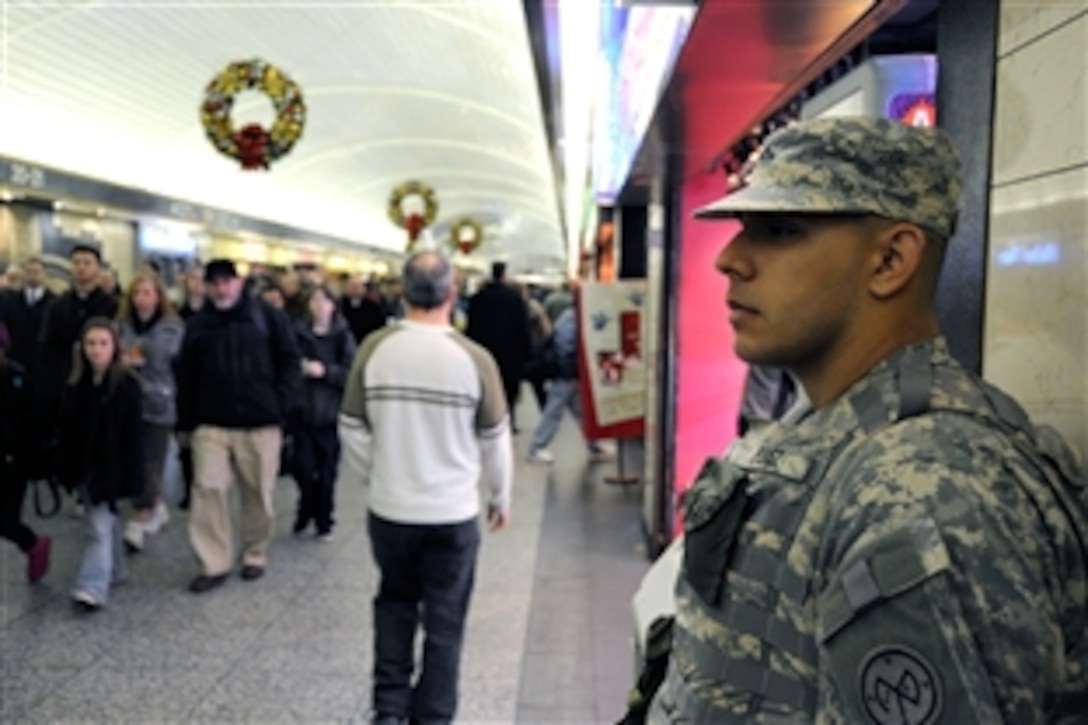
{"points": [[899, 686]]}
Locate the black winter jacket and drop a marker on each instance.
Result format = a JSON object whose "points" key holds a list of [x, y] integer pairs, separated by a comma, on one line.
{"points": [[336, 351], [498, 319], [24, 323], [238, 368], [100, 441], [363, 317], [14, 434]]}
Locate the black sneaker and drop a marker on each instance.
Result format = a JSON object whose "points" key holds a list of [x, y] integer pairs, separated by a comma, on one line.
{"points": [[204, 583], [252, 572]]}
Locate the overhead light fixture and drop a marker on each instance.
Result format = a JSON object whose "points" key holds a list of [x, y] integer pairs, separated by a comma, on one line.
{"points": [[579, 46]]}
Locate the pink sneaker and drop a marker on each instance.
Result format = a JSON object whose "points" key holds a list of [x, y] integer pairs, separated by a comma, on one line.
{"points": [[37, 559]]}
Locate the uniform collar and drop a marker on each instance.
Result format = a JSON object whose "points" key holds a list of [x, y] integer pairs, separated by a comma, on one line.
{"points": [[803, 435]]}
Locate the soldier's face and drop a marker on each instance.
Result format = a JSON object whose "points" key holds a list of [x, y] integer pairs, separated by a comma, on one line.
{"points": [[795, 287]]}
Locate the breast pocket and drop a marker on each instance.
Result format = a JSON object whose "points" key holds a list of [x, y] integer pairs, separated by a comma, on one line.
{"points": [[714, 512]]}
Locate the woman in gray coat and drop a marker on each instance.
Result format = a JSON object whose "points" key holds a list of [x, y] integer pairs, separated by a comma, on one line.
{"points": [[151, 335]]}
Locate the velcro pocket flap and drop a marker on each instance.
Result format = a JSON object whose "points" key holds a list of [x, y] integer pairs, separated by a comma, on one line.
{"points": [[714, 512], [881, 569], [715, 486]]}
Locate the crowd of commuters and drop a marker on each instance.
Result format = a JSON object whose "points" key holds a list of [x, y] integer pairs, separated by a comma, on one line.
{"points": [[250, 378]]}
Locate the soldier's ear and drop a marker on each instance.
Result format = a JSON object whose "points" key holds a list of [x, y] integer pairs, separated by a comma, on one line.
{"points": [[898, 253]]}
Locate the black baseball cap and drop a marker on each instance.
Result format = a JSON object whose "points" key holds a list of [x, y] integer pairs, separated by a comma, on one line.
{"points": [[219, 269]]}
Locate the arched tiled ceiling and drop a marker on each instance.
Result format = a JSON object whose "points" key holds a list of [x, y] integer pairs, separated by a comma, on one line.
{"points": [[437, 90], [438, 175]]}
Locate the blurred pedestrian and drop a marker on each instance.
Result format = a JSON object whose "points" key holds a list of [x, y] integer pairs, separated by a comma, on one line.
{"points": [[327, 348], [239, 379], [15, 436], [423, 423], [151, 336], [101, 454]]}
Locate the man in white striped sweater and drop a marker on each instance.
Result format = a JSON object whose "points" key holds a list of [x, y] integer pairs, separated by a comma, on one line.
{"points": [[423, 422]]}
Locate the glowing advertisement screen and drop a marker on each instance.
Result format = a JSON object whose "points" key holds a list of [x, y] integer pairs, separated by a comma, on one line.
{"points": [[641, 45], [910, 89]]}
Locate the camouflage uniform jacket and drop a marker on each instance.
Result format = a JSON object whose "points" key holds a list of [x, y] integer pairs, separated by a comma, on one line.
{"points": [[906, 554]]}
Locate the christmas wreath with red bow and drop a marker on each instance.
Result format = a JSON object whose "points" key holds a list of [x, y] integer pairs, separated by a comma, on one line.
{"points": [[413, 206], [252, 145], [466, 235]]}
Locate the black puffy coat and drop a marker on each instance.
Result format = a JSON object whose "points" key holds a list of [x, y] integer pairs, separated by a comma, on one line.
{"points": [[336, 351], [238, 368], [100, 442]]}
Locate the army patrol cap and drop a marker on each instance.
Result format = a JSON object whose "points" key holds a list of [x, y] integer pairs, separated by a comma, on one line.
{"points": [[850, 166]]}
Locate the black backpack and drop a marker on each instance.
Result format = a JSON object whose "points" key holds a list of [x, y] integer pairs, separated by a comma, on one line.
{"points": [[544, 364]]}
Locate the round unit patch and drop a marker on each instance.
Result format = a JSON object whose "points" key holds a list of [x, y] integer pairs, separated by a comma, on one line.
{"points": [[899, 687]]}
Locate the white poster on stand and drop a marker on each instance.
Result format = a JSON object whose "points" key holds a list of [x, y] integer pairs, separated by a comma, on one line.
{"points": [[611, 327]]}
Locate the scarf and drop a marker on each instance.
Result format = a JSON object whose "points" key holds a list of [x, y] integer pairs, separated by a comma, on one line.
{"points": [[140, 327]]}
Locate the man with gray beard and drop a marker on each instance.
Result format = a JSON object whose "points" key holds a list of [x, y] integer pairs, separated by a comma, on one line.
{"points": [[239, 377]]}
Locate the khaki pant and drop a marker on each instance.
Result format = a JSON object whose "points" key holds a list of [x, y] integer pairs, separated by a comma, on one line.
{"points": [[219, 456]]}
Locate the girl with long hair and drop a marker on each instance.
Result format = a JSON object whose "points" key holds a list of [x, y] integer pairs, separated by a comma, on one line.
{"points": [[101, 453], [327, 348], [151, 334]]}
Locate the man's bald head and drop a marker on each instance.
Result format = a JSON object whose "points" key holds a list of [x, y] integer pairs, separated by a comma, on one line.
{"points": [[428, 280]]}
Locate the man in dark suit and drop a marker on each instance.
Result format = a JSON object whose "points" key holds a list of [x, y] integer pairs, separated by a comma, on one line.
{"points": [[498, 320], [23, 313]]}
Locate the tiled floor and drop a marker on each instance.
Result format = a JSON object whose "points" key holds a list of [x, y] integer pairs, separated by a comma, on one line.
{"points": [[548, 634]]}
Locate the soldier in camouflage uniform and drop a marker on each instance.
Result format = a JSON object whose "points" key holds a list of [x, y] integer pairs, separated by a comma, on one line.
{"points": [[906, 549]]}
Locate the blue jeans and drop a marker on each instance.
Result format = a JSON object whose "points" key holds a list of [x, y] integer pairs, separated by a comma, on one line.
{"points": [[427, 571], [103, 554], [562, 395]]}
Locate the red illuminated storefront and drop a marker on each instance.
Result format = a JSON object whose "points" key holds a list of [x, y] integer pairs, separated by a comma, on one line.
{"points": [[712, 102]]}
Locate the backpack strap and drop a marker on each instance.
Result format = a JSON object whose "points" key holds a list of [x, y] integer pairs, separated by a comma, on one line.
{"points": [[915, 382], [1043, 448], [260, 317]]}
